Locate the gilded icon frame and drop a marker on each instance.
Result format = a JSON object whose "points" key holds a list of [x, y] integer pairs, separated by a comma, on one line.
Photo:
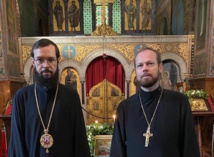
{"points": [[102, 145]]}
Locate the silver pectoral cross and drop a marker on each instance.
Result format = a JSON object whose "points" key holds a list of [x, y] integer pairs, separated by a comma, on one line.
{"points": [[147, 135]]}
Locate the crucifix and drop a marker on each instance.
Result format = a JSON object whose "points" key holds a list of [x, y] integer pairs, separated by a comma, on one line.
{"points": [[104, 29], [69, 51], [148, 134], [104, 12], [103, 3]]}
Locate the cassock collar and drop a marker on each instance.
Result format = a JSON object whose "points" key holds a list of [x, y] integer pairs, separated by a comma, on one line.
{"points": [[148, 96], [47, 89]]}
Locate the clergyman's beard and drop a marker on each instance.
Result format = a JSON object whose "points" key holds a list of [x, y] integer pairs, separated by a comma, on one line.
{"points": [[47, 82], [149, 83]]}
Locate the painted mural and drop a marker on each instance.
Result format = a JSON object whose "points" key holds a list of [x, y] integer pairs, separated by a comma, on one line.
{"points": [[11, 27], [141, 13], [200, 64], [73, 16], [130, 15], [177, 18], [201, 25], [163, 20], [2, 69], [172, 68], [134, 85], [58, 16], [145, 15], [72, 12], [70, 78], [13, 66], [157, 2], [212, 47]]}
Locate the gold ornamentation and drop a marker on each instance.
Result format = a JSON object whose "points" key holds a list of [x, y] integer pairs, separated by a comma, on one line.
{"points": [[126, 49], [104, 30], [179, 48], [103, 100], [169, 47], [26, 53], [84, 50], [198, 104], [46, 141]]}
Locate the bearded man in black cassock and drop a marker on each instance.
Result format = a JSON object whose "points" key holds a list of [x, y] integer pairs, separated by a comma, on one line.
{"points": [[154, 122], [47, 119]]}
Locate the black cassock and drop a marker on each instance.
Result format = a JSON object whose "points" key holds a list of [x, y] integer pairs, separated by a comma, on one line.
{"points": [[67, 126], [172, 127]]}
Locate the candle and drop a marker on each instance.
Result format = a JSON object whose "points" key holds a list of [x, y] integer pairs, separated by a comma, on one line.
{"points": [[114, 117]]}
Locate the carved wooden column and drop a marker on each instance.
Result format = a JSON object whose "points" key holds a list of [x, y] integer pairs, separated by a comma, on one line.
{"points": [[82, 91], [82, 81], [127, 84]]}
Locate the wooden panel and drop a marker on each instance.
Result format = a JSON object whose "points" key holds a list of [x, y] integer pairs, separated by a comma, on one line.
{"points": [[7, 90], [1, 98], [14, 86], [206, 123]]}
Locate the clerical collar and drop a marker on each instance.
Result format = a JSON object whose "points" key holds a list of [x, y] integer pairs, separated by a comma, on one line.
{"points": [[147, 96], [48, 88]]}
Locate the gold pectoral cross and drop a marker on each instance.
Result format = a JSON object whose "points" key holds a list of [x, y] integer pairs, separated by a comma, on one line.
{"points": [[148, 134]]}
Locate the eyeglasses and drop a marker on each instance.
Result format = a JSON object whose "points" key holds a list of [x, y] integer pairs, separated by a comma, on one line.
{"points": [[40, 61]]}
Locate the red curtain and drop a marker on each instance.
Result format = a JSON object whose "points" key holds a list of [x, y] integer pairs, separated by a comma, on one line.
{"points": [[108, 68]]}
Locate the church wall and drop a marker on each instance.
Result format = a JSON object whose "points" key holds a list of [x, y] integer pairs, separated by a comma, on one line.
{"points": [[9, 53], [31, 12], [211, 39], [163, 18], [157, 2], [189, 16], [202, 37], [178, 18], [2, 52], [179, 15], [9, 40], [183, 17]]}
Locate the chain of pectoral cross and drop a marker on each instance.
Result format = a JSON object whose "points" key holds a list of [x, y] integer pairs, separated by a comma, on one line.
{"points": [[148, 134]]}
